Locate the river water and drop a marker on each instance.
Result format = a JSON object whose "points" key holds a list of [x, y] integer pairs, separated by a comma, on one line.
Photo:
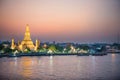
{"points": [[61, 68]]}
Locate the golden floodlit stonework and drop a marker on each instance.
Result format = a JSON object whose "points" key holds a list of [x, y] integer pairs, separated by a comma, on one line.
{"points": [[27, 43]]}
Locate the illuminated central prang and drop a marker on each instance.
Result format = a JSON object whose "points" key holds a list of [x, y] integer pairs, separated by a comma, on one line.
{"points": [[27, 33], [27, 43]]}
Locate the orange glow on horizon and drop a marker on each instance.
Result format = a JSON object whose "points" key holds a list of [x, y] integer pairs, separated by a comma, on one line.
{"points": [[62, 20]]}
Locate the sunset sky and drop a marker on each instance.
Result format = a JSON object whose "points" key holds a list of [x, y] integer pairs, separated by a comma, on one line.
{"points": [[61, 20]]}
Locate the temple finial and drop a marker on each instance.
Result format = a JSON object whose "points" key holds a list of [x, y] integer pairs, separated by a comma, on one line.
{"points": [[27, 24], [27, 27]]}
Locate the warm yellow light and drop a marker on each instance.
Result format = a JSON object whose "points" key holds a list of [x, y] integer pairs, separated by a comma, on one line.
{"points": [[27, 42]]}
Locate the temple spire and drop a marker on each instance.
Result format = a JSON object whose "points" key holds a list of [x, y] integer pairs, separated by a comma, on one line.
{"points": [[27, 28], [27, 33], [37, 44], [13, 44]]}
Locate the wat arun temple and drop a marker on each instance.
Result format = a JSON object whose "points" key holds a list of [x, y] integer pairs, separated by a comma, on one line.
{"points": [[26, 43]]}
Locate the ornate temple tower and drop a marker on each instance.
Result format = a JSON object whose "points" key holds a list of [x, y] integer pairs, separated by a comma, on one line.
{"points": [[13, 44], [27, 42], [27, 33], [37, 44]]}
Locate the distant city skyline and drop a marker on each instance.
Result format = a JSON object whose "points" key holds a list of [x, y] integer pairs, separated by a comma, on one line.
{"points": [[83, 21]]}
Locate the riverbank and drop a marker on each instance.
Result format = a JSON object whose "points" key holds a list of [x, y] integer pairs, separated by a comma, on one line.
{"points": [[35, 54], [52, 54]]}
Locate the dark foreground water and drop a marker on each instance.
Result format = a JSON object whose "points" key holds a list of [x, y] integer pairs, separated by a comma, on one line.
{"points": [[61, 68]]}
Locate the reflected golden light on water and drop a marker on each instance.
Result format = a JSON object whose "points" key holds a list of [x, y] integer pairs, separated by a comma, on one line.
{"points": [[60, 67], [51, 60], [26, 67], [113, 57], [15, 62], [51, 64]]}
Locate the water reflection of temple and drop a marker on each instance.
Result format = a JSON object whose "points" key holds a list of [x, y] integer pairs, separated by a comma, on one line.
{"points": [[26, 67]]}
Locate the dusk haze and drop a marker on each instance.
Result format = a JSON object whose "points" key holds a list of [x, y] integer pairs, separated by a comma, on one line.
{"points": [[83, 21]]}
